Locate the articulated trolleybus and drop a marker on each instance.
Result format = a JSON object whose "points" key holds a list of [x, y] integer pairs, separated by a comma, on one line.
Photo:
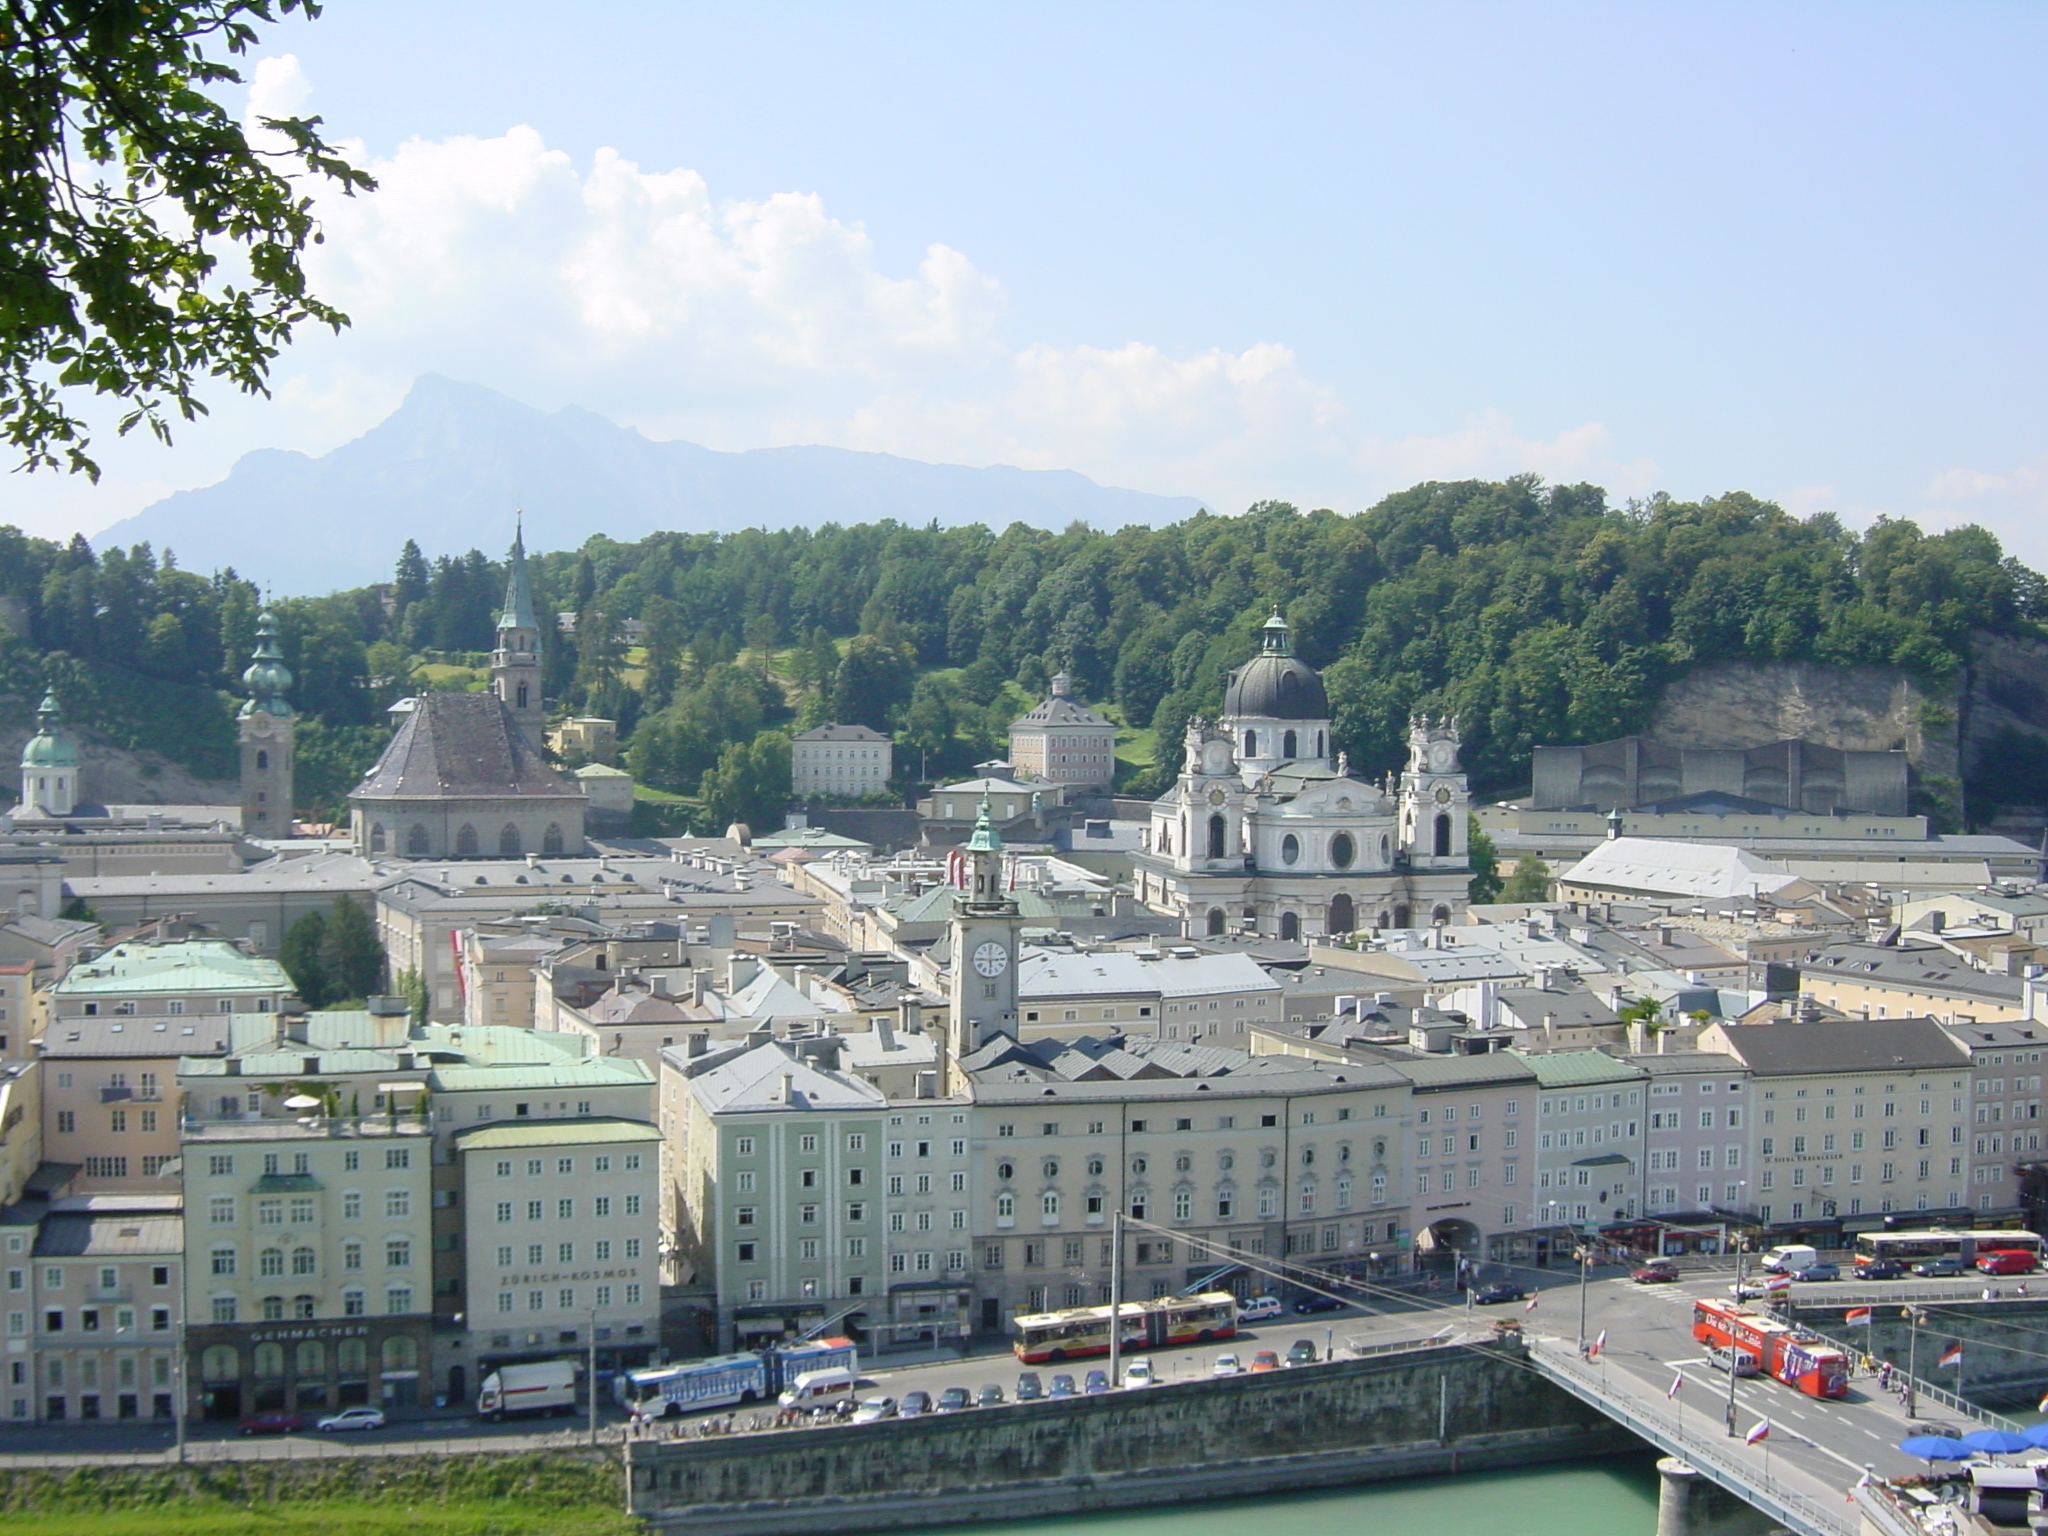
{"points": [[728, 1381], [1043, 1337], [1781, 1351]]}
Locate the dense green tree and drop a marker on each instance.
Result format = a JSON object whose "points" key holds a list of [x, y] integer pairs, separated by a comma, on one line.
{"points": [[301, 953], [872, 683], [1529, 881], [351, 958], [124, 183], [750, 784], [1485, 884]]}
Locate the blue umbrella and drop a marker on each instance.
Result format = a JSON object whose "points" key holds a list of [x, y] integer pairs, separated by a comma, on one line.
{"points": [[1998, 1442], [2037, 1434], [1934, 1448]]}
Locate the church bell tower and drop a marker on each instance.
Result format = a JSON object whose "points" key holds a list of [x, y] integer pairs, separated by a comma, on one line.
{"points": [[265, 726], [986, 928], [515, 664]]}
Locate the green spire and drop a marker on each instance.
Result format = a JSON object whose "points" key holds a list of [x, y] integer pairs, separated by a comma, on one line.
{"points": [[986, 838], [51, 746], [518, 612], [1273, 635], [268, 676]]}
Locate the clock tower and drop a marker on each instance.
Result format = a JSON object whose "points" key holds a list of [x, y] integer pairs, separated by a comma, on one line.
{"points": [[1434, 796], [986, 927]]}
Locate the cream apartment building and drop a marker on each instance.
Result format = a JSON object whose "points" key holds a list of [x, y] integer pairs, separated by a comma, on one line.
{"points": [[94, 1305]]}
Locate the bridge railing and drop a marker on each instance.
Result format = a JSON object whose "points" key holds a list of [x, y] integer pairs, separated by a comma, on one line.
{"points": [[1751, 1479], [1925, 1391]]}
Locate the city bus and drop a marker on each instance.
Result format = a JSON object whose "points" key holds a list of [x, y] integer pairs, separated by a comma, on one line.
{"points": [[727, 1381], [1043, 1337], [1910, 1248], [1782, 1351]]}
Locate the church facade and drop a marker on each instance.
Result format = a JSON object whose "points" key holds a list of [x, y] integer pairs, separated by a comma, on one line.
{"points": [[1266, 833]]}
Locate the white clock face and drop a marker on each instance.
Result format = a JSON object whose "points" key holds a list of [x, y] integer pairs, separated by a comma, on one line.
{"points": [[991, 959], [1440, 756]]}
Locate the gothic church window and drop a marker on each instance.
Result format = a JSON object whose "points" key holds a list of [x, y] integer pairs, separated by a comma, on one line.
{"points": [[416, 841], [377, 837], [1215, 920], [508, 842], [466, 842], [551, 840], [262, 758]]}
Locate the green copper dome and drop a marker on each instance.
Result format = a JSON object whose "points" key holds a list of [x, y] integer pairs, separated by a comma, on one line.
{"points": [[51, 746], [985, 838], [268, 676]]}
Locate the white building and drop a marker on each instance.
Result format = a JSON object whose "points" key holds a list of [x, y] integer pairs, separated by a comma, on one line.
{"points": [[1063, 741], [846, 760]]}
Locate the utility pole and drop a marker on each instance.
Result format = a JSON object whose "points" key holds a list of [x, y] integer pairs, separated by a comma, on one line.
{"points": [[592, 1372], [1116, 1296], [1734, 1355], [1585, 1266], [178, 1398], [1912, 1357]]}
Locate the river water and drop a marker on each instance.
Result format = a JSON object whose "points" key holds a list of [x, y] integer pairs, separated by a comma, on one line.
{"points": [[1616, 1496]]}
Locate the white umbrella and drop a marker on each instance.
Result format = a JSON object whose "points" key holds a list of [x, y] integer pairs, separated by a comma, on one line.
{"points": [[302, 1101]]}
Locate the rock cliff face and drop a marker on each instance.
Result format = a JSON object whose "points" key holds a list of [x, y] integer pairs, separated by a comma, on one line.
{"points": [[1855, 709], [2005, 689], [115, 776]]}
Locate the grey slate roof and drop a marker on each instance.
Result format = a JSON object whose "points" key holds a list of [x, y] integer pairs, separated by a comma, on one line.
{"points": [[1847, 1045], [459, 745]]}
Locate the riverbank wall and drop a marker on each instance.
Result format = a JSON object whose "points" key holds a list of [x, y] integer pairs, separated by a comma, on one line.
{"points": [[1419, 1412]]}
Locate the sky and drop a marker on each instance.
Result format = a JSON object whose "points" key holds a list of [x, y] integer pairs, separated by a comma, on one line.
{"points": [[1311, 252]]}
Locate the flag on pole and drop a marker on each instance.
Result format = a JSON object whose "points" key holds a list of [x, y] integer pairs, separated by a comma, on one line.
{"points": [[1677, 1381], [1778, 1283], [1530, 1306], [1761, 1430], [1593, 1349], [1856, 1317], [1953, 1355]]}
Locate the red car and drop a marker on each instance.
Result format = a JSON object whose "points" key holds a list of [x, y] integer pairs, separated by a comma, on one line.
{"points": [[2005, 1261], [1656, 1272], [277, 1421]]}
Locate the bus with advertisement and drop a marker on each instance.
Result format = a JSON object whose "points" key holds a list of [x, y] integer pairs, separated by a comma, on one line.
{"points": [[729, 1381], [1782, 1351], [1044, 1337], [1910, 1248]]}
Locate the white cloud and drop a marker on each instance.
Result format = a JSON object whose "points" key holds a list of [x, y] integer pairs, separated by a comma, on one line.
{"points": [[2013, 505]]}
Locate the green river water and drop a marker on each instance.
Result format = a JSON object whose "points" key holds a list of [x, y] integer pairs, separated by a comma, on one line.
{"points": [[1615, 1496]]}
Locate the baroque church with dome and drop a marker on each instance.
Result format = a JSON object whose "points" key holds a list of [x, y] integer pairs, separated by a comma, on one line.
{"points": [[1266, 833]]}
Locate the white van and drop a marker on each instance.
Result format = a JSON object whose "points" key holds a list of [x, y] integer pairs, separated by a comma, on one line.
{"points": [[1786, 1258], [815, 1387]]}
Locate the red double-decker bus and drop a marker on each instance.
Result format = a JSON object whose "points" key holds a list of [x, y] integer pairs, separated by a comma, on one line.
{"points": [[1782, 1351]]}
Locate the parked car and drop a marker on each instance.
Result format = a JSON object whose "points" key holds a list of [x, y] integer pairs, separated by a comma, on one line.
{"points": [[954, 1400], [353, 1418], [2005, 1261], [1029, 1388], [1063, 1386], [1881, 1269], [1943, 1267], [1656, 1272], [277, 1421], [1138, 1373], [1500, 1291], [1265, 1360], [914, 1405], [1817, 1272], [1096, 1384], [874, 1410], [1313, 1302], [1259, 1309], [1745, 1290], [1303, 1352], [990, 1396], [1227, 1365], [1740, 1361]]}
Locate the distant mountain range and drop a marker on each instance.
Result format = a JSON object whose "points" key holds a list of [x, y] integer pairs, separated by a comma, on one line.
{"points": [[454, 461]]}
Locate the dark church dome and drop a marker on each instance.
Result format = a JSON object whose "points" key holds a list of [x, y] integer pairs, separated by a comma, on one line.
{"points": [[1273, 685]]}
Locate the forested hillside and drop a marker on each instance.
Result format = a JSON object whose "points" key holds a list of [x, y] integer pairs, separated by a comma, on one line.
{"points": [[1537, 614]]}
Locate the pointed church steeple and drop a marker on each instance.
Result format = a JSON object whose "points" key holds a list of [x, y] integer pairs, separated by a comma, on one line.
{"points": [[267, 677], [516, 664]]}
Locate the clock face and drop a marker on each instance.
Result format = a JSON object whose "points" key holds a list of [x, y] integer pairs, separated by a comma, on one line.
{"points": [[1443, 795], [991, 959], [1440, 756]]}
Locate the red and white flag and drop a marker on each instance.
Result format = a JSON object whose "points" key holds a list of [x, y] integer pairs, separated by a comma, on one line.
{"points": [[1530, 1306], [1856, 1317], [1761, 1430], [1593, 1349], [1953, 1355], [1677, 1381], [2042, 1406], [1778, 1283]]}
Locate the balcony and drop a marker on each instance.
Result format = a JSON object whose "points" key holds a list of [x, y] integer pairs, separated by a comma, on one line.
{"points": [[145, 1095]]}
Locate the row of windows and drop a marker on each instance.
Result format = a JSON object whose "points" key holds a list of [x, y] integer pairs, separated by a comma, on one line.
{"points": [[565, 1253], [467, 843], [106, 1277], [221, 1165], [223, 1259], [1183, 1202], [1666, 1159], [1886, 1173], [120, 1321], [565, 1207], [128, 1008], [536, 1167], [1922, 1137], [273, 1309], [565, 1299], [303, 1210]]}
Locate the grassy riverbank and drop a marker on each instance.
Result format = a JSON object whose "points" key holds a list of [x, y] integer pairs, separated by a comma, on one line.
{"points": [[535, 1495]]}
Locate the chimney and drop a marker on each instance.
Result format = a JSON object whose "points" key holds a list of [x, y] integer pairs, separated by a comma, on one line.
{"points": [[663, 984], [788, 1095], [698, 1044], [1550, 1028], [885, 1032], [910, 1013], [927, 1085], [1664, 938]]}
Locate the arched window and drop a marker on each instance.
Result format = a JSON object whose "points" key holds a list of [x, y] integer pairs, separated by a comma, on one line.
{"points": [[416, 841], [1290, 926], [522, 696], [352, 1357], [272, 1308], [1401, 915], [270, 1262], [1342, 851], [311, 1356], [1215, 923], [508, 842], [220, 1362], [376, 837], [1386, 849], [401, 1354], [1439, 914], [262, 758], [1322, 749], [465, 842], [270, 1360], [305, 1306], [551, 840], [1443, 834], [1287, 745], [1341, 917], [1215, 837], [1251, 743]]}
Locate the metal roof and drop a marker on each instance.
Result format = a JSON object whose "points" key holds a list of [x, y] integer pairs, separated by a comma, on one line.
{"points": [[184, 965], [554, 1133]]}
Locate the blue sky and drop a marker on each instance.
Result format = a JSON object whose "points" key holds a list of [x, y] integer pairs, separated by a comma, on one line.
{"points": [[1316, 252]]}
